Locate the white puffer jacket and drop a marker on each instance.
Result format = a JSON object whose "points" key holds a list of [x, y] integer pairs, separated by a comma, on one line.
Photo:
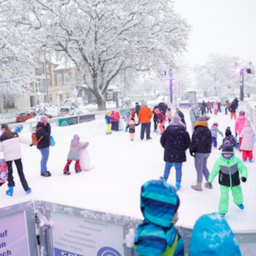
{"points": [[11, 146]]}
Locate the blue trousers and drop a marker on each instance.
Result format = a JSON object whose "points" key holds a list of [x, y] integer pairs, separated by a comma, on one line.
{"points": [[45, 156], [214, 141], [178, 167]]}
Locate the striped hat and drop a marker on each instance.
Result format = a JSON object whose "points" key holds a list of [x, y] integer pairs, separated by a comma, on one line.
{"points": [[159, 202]]}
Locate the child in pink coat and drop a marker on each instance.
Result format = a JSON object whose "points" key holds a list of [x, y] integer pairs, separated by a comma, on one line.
{"points": [[247, 135], [239, 125]]}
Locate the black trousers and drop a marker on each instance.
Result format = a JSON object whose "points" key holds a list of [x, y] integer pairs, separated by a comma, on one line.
{"points": [[19, 167], [143, 127]]}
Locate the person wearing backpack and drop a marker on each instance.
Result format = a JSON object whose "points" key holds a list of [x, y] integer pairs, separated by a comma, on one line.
{"points": [[43, 132], [10, 145]]}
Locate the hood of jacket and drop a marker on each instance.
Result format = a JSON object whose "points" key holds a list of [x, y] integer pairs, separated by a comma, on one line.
{"points": [[247, 129], [158, 202], [175, 129], [202, 123], [212, 236]]}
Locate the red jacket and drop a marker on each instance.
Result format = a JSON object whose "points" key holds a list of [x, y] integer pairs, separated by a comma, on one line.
{"points": [[113, 116], [116, 116]]}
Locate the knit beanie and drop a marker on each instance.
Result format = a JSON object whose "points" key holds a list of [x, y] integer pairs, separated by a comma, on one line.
{"points": [[43, 119], [228, 131], [76, 137], [241, 113], [107, 112], [227, 148]]}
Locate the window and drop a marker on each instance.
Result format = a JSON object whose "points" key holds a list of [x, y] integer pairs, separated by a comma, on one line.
{"points": [[8, 103], [67, 95], [59, 79], [50, 98]]}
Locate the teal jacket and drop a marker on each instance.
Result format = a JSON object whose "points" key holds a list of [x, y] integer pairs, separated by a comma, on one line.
{"points": [[229, 171], [157, 236]]}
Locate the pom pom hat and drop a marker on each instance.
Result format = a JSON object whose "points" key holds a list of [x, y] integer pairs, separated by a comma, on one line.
{"points": [[76, 137], [43, 119]]}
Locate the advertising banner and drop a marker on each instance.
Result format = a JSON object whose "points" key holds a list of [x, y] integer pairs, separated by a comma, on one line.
{"points": [[77, 236], [68, 121], [13, 235], [86, 118]]}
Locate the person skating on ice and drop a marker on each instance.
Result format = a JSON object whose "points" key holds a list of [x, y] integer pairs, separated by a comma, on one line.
{"points": [[215, 130]]}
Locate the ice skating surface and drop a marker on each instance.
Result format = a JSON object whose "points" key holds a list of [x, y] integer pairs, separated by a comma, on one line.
{"points": [[121, 167]]}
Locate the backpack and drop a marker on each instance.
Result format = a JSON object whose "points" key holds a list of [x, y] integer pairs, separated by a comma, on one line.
{"points": [[34, 139]]}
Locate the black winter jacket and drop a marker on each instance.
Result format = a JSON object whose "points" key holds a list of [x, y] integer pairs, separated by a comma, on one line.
{"points": [[233, 107], [175, 140], [201, 138], [44, 131]]}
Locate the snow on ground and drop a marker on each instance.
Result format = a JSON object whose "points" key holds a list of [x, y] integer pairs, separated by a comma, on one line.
{"points": [[121, 167]]}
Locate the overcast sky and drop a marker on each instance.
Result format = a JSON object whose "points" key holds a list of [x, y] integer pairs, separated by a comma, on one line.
{"points": [[225, 27]]}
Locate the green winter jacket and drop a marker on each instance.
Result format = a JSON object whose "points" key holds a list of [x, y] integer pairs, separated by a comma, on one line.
{"points": [[228, 170]]}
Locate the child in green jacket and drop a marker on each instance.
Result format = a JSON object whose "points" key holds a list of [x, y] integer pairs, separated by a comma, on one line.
{"points": [[229, 167]]}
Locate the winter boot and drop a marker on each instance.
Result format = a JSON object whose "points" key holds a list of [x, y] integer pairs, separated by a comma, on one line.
{"points": [[66, 173], [198, 186], [208, 185], [241, 206], [250, 160], [9, 192], [28, 191], [178, 185], [162, 178], [77, 166], [222, 215]]}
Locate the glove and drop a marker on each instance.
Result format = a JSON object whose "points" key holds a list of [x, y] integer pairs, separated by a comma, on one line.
{"points": [[192, 153], [243, 179], [221, 134], [31, 145]]}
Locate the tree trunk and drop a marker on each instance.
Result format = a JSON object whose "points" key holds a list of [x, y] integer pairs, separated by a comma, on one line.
{"points": [[101, 103]]}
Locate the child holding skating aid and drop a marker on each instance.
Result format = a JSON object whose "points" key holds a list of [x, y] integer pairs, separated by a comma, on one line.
{"points": [[230, 168], [215, 130], [75, 147]]}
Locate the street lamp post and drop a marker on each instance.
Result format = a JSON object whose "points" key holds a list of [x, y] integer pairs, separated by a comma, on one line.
{"points": [[242, 84]]}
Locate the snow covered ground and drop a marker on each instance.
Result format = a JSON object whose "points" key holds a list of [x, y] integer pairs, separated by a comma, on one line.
{"points": [[121, 167]]}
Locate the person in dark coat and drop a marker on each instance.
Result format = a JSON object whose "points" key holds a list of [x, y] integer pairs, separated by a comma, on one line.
{"points": [[175, 141], [200, 148], [182, 118], [137, 108], [162, 107], [236, 102], [155, 118], [43, 132], [232, 109], [203, 108]]}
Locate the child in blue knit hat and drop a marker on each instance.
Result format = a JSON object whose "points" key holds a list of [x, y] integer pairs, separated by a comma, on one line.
{"points": [[157, 234]]}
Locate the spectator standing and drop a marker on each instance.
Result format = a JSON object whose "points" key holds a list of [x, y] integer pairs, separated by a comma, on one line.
{"points": [[112, 120], [232, 110], [194, 113], [156, 235], [175, 141], [43, 132], [182, 118], [212, 235], [203, 108], [137, 108], [145, 115], [169, 115], [155, 118], [200, 148], [227, 106], [247, 143], [10, 145], [209, 107], [116, 121], [219, 106]]}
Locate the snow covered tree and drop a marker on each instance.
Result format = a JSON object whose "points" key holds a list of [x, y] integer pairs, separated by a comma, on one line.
{"points": [[103, 37], [217, 77], [16, 65]]}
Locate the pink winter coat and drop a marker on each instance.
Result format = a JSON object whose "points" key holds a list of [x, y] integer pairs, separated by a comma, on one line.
{"points": [[248, 138], [239, 125], [116, 116], [216, 105]]}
